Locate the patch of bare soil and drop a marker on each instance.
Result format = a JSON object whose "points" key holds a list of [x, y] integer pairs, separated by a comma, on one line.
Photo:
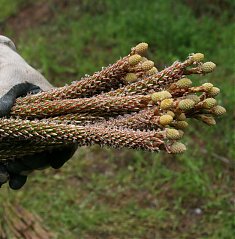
{"points": [[33, 14]]}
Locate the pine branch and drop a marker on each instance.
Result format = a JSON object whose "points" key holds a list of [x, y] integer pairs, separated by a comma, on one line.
{"points": [[101, 105], [110, 77], [47, 133]]}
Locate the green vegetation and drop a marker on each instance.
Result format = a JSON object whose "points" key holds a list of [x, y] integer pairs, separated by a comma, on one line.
{"points": [[8, 8], [104, 193]]}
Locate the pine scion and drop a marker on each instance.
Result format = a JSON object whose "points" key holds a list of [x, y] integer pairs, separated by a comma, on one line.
{"points": [[127, 104]]}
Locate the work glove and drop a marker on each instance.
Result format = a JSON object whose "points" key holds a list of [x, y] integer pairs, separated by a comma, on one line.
{"points": [[17, 79]]}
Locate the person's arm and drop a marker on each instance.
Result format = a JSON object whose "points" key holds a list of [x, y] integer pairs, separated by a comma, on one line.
{"points": [[17, 78]]}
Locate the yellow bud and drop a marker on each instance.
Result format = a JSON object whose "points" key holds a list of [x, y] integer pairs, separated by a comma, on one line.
{"points": [[134, 59], [172, 134], [186, 104], [166, 104], [181, 133], [193, 97], [165, 119], [209, 103], [214, 91], [208, 67], [218, 110], [152, 71], [171, 113], [157, 96], [207, 86], [184, 83], [198, 57], [209, 120], [177, 148], [181, 116], [131, 77], [143, 59], [147, 65], [181, 124], [141, 48]]}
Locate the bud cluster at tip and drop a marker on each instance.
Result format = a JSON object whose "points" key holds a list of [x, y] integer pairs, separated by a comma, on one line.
{"points": [[214, 91], [208, 67], [218, 110], [186, 104], [198, 57], [184, 82], [172, 134], [209, 103], [177, 148], [158, 96], [131, 77], [147, 65], [208, 86], [166, 104], [152, 71], [165, 119], [134, 59], [141, 48]]}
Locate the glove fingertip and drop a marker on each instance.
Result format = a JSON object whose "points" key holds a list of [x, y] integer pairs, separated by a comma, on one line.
{"points": [[8, 100], [6, 103], [17, 181], [56, 164], [61, 156], [3, 175]]}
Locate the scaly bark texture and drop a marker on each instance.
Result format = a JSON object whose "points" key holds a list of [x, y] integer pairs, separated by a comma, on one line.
{"points": [[41, 133], [143, 120], [153, 83], [104, 80], [105, 105], [111, 78], [79, 119]]}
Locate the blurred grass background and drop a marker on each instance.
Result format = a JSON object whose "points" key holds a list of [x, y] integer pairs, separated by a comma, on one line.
{"points": [[104, 193]]}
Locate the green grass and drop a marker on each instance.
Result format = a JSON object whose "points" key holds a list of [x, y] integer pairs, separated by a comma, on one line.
{"points": [[8, 8], [104, 193]]}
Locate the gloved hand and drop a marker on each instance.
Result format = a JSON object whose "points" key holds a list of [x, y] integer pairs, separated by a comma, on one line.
{"points": [[17, 78]]}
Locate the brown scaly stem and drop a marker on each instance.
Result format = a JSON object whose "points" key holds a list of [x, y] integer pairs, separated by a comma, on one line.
{"points": [[79, 119], [149, 119], [143, 120], [16, 150], [183, 92], [156, 82], [47, 133], [202, 68], [112, 105], [108, 78]]}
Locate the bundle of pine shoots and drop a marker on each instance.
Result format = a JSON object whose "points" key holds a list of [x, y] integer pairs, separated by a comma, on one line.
{"points": [[126, 104]]}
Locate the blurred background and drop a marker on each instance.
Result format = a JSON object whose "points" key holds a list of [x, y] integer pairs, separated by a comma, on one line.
{"points": [[105, 193]]}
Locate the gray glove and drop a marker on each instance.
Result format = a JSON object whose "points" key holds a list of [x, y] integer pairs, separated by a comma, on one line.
{"points": [[17, 78]]}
